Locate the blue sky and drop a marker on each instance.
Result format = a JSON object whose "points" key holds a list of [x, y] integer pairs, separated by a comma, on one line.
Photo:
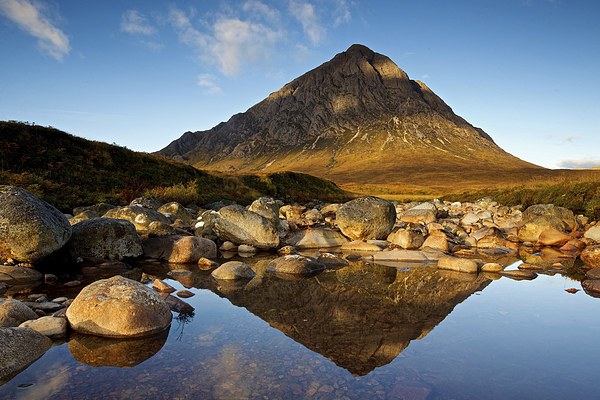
{"points": [[140, 73]]}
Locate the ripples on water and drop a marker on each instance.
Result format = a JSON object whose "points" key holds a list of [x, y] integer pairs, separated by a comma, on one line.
{"points": [[360, 332]]}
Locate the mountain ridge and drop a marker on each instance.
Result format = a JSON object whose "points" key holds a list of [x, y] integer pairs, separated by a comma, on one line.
{"points": [[344, 120]]}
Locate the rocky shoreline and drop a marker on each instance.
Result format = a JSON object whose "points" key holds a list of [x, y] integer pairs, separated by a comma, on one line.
{"points": [[94, 253]]}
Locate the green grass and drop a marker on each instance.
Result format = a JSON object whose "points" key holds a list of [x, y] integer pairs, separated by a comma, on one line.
{"points": [[68, 171]]}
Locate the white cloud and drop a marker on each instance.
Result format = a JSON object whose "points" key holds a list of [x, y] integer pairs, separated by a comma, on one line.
{"points": [[29, 17], [342, 13], [135, 23], [230, 42], [586, 162], [305, 14], [207, 82], [260, 9]]}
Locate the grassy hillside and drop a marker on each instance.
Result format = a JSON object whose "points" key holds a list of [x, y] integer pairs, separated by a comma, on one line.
{"points": [[69, 171]]}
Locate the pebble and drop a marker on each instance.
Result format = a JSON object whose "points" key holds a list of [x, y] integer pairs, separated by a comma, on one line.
{"points": [[60, 300], [72, 283], [185, 294]]}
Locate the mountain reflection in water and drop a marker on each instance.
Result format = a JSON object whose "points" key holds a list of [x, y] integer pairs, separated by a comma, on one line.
{"points": [[361, 316]]}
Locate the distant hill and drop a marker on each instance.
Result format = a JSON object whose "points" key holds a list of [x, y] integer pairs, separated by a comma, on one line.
{"points": [[358, 120], [70, 171]]}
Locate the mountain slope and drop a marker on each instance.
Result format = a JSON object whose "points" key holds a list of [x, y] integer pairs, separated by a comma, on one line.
{"points": [[69, 171], [357, 118]]}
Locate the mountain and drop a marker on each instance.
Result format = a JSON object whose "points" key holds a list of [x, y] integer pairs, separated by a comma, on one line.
{"points": [[357, 118], [69, 171]]}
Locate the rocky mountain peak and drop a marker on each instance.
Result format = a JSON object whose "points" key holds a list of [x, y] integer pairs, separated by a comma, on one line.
{"points": [[359, 104]]}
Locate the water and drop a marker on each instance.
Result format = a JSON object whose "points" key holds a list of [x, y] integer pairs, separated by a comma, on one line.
{"points": [[361, 332]]}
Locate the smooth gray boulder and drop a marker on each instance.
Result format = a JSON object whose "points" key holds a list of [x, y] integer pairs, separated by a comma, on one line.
{"points": [[366, 218], [240, 226], [14, 313], [52, 327], [295, 264], [19, 348], [30, 228], [139, 216], [107, 238], [233, 270]]}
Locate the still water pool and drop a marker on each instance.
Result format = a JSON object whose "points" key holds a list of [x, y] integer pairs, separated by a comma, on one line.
{"points": [[364, 331]]}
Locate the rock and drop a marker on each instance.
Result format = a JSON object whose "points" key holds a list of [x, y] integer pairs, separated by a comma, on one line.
{"points": [[162, 286], [330, 210], [50, 278], [591, 287], [286, 250], [535, 225], [96, 209], [458, 264], [46, 306], [179, 211], [52, 327], [291, 212], [593, 273], [269, 209], [366, 218], [72, 283], [591, 256], [360, 245], [139, 216], [177, 305], [3, 288], [408, 255], [118, 307], [107, 238], [244, 248], [233, 270], [593, 233], [553, 237], [407, 239], [295, 264], [83, 216], [566, 216], [13, 275], [147, 202], [241, 226], [424, 212], [312, 238], [156, 228], [184, 294], [20, 347], [179, 249], [492, 267], [530, 267], [313, 216], [519, 274], [331, 260], [30, 228], [469, 218], [206, 264], [438, 242], [13, 313], [228, 246], [495, 242]]}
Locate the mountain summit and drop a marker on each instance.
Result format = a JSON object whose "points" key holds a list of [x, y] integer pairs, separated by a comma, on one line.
{"points": [[357, 118]]}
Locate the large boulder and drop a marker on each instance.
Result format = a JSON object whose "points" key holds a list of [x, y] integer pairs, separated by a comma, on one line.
{"points": [[316, 238], [19, 347], [269, 208], [179, 249], [366, 218], [295, 265], [118, 307], [240, 226], [139, 216], [108, 238], [565, 215], [30, 228], [178, 211], [536, 224], [14, 313]]}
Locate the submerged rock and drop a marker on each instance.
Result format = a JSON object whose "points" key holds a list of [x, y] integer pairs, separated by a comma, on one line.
{"points": [[30, 228], [118, 307], [366, 218]]}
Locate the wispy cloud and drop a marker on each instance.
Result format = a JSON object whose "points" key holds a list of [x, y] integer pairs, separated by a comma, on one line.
{"points": [[229, 42], [342, 13], [586, 162], [135, 23], [305, 13], [570, 139], [208, 83], [261, 10], [29, 16]]}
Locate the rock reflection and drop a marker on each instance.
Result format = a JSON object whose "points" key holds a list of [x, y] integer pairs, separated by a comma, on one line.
{"points": [[106, 352], [361, 316]]}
